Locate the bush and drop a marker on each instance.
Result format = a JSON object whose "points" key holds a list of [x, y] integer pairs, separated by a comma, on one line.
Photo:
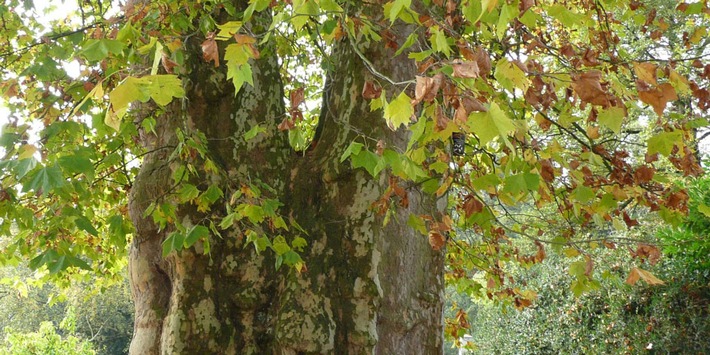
{"points": [[45, 341]]}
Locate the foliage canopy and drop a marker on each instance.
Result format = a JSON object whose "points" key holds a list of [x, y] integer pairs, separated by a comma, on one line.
{"points": [[585, 110]]}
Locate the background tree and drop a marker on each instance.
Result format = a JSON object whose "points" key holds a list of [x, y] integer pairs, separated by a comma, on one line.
{"points": [[242, 244]]}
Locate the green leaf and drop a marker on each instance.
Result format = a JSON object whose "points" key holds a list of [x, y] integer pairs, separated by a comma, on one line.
{"points": [[568, 17], [704, 209], [238, 69], [229, 220], [299, 244], [330, 6], [612, 118], [439, 42], [174, 242], [473, 11], [84, 224], [164, 87], [253, 212], [97, 49], [408, 43], [397, 7], [510, 76], [188, 192], [663, 142], [291, 258], [196, 233], [583, 194], [417, 223], [24, 166], [279, 245], [45, 180], [253, 132], [353, 149], [228, 29], [399, 111], [368, 160], [77, 164], [491, 124], [521, 183], [507, 13]]}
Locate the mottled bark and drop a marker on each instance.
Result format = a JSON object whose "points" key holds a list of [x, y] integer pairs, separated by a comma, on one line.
{"points": [[368, 288]]}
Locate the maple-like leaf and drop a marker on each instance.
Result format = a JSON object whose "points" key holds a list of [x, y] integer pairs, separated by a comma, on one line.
{"points": [[465, 70], [483, 59], [168, 64], [427, 88], [589, 89], [658, 97], [640, 274], [296, 97], [471, 205], [547, 171], [436, 240], [646, 72], [491, 124], [210, 52], [371, 90], [399, 111]]}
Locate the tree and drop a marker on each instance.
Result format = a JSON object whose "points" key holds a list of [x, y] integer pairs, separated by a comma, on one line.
{"points": [[242, 244]]}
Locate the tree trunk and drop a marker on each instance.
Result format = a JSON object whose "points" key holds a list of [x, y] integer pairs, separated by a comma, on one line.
{"points": [[368, 288]]}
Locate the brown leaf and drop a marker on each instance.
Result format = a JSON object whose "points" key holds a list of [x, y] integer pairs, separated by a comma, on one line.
{"points": [[462, 319], [427, 88], [629, 221], [441, 120], [210, 52], [296, 97], [371, 90], [286, 124], [659, 97], [483, 60], [525, 5], [380, 147], [471, 205], [568, 51], [465, 70], [436, 240], [588, 266], [543, 122], [588, 87], [609, 245], [649, 252], [644, 174], [633, 277], [547, 171], [465, 50], [540, 255], [168, 64], [637, 273]]}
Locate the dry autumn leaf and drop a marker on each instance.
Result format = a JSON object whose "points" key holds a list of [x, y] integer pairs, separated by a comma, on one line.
{"points": [[167, 63], [427, 88], [471, 205], [589, 89], [547, 172], [296, 97], [659, 97], [640, 274], [436, 240], [210, 52], [483, 60], [465, 70], [371, 90]]}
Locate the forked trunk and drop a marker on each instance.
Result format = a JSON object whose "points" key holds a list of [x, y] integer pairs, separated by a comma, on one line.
{"points": [[368, 288]]}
